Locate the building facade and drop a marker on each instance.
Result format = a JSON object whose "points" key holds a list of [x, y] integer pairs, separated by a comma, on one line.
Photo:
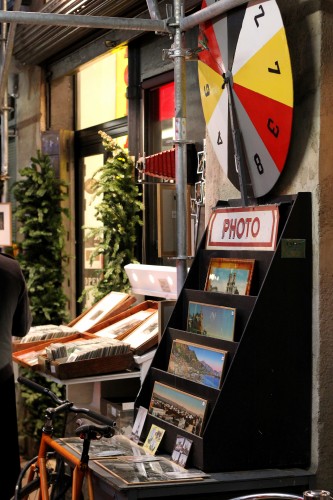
{"points": [[45, 100]]}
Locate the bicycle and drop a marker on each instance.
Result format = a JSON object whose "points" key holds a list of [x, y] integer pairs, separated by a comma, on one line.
{"points": [[45, 475]]}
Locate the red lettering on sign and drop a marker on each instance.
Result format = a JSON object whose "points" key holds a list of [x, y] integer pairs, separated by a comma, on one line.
{"points": [[241, 227]]}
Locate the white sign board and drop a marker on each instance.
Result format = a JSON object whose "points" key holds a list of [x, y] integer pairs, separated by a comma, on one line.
{"points": [[243, 228]]}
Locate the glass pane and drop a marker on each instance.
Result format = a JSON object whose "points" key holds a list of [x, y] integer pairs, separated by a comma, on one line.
{"points": [[101, 89], [90, 270], [161, 118]]}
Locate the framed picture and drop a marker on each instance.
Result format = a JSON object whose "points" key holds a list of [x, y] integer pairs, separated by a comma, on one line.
{"points": [[121, 327], [178, 408], [210, 320], [203, 191], [153, 439], [198, 363], [230, 276], [99, 311], [96, 263], [5, 225], [143, 333], [198, 192], [201, 159], [148, 469]]}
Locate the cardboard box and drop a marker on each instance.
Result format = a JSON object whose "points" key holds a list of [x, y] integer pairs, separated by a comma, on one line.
{"points": [[75, 369], [87, 367]]}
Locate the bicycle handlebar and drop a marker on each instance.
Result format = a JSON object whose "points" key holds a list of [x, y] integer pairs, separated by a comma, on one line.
{"points": [[67, 407]]}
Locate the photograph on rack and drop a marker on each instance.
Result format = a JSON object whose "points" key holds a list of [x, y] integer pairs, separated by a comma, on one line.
{"points": [[210, 320], [178, 408], [153, 439], [198, 363], [181, 450], [138, 424], [230, 276]]}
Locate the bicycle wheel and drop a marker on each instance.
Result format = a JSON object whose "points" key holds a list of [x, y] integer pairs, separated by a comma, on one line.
{"points": [[57, 480]]}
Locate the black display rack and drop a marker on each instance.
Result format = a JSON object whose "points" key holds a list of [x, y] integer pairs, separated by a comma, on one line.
{"points": [[260, 418]]}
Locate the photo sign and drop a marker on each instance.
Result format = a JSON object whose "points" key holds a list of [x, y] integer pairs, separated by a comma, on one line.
{"points": [[243, 228]]}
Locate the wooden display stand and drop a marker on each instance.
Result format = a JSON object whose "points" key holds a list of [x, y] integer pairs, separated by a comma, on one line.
{"points": [[260, 418]]}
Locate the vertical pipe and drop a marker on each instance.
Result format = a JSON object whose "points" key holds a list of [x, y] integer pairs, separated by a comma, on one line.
{"points": [[4, 109], [180, 145]]}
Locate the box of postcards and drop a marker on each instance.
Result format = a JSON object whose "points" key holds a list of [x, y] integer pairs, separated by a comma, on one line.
{"points": [[111, 305], [137, 327], [85, 357], [44, 334], [29, 357]]}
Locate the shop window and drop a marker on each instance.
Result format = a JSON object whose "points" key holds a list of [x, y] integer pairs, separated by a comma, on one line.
{"points": [[161, 118], [92, 271], [101, 89]]}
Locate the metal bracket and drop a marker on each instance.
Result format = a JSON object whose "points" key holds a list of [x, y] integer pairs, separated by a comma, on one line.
{"points": [[172, 53]]}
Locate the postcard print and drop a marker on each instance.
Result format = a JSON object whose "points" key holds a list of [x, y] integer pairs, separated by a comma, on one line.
{"points": [[212, 321], [230, 276], [178, 408], [198, 363], [181, 450], [138, 424], [153, 439]]}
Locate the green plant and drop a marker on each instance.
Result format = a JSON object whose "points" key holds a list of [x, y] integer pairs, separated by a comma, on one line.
{"points": [[120, 214], [39, 195]]}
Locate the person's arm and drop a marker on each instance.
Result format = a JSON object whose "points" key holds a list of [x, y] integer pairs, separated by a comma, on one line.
{"points": [[22, 318]]}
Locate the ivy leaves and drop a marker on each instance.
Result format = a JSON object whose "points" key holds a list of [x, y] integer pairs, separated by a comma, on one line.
{"points": [[39, 195]]}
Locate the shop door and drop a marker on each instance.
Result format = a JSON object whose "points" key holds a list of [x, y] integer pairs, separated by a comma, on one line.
{"points": [[90, 156]]}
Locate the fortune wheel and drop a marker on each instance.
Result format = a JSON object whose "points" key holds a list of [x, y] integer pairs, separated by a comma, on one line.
{"points": [[246, 92]]}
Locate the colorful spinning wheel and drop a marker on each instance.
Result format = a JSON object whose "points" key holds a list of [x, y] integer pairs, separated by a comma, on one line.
{"points": [[246, 91]]}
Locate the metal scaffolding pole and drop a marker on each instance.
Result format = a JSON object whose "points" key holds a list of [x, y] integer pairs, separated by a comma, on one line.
{"points": [[8, 46], [180, 145], [80, 21], [4, 114], [7, 43], [208, 13], [155, 24]]}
